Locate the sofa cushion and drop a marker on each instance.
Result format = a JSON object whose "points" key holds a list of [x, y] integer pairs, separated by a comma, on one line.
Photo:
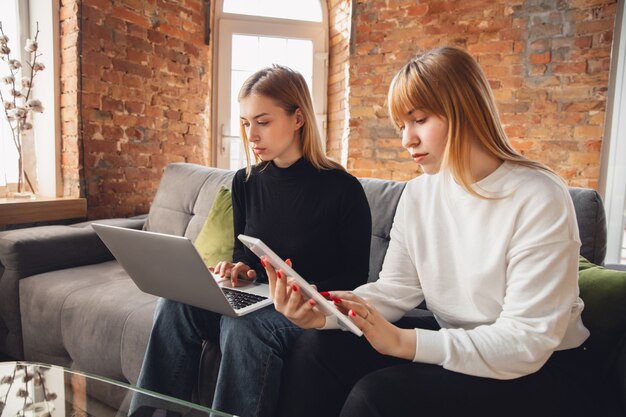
{"points": [[102, 314], [383, 197], [215, 241], [42, 299], [135, 337], [591, 223], [184, 198], [80, 318], [603, 291]]}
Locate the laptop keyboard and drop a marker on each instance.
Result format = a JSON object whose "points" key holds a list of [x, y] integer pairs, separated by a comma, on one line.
{"points": [[239, 300]]}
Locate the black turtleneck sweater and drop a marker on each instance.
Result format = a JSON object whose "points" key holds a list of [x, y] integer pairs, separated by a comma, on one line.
{"points": [[319, 219]]}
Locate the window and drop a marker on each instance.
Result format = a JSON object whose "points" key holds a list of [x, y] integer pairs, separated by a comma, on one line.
{"points": [[613, 175], [286, 9], [43, 148], [8, 151], [253, 34]]}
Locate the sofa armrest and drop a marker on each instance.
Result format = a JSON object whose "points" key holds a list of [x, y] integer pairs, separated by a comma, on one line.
{"points": [[618, 267], [41, 249], [35, 250]]}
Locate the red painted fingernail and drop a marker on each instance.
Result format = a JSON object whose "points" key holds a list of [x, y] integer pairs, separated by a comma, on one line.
{"points": [[336, 300], [294, 287], [325, 294], [312, 302], [352, 313], [263, 263], [279, 275], [288, 261]]}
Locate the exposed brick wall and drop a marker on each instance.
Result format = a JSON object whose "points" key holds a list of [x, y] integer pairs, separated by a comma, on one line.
{"points": [[146, 85], [547, 61], [71, 165], [145, 98], [339, 18]]}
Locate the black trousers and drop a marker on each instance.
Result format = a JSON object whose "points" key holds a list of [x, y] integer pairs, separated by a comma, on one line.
{"points": [[335, 373]]}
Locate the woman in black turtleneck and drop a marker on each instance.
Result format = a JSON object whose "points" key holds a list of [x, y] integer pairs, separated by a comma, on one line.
{"points": [[308, 209]]}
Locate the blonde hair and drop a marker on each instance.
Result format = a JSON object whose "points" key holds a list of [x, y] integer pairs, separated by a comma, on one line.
{"points": [[449, 83], [290, 91]]}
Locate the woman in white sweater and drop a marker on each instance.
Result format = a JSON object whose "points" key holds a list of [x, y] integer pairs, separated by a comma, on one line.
{"points": [[489, 240]]}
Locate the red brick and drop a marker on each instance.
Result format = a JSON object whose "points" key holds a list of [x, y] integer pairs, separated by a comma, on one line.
{"points": [[134, 107], [130, 16], [491, 47], [130, 68], [101, 5], [594, 26], [570, 68], [172, 31], [110, 104], [417, 11], [595, 66], [540, 58], [112, 133], [100, 146]]}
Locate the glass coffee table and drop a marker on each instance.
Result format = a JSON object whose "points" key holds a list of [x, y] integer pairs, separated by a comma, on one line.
{"points": [[36, 390]]}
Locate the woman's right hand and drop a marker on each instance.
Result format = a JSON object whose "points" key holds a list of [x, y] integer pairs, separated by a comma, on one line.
{"points": [[289, 301], [235, 271]]}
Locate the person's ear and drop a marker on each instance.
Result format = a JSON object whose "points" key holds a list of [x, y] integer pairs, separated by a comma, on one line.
{"points": [[299, 119]]}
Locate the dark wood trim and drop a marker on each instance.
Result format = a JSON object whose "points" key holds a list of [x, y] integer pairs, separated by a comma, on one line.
{"points": [[40, 209]]}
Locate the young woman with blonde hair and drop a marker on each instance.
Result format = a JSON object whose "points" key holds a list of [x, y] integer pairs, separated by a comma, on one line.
{"points": [[489, 240], [303, 205]]}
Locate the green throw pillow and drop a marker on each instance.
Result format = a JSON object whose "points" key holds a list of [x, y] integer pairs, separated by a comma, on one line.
{"points": [[216, 242], [604, 293]]}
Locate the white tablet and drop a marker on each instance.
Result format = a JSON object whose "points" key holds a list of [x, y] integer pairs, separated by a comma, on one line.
{"points": [[260, 249]]}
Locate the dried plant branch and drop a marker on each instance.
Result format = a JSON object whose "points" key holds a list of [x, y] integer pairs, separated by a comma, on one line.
{"points": [[12, 378], [18, 119], [6, 111]]}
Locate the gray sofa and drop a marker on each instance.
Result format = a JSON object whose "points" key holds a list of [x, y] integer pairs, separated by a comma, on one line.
{"points": [[64, 299]]}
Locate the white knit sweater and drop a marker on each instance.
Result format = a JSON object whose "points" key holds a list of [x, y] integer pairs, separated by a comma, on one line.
{"points": [[500, 275]]}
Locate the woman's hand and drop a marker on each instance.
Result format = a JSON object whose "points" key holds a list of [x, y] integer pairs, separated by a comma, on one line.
{"points": [[235, 272], [289, 300], [382, 335]]}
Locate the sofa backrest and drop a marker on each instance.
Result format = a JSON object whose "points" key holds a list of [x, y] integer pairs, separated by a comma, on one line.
{"points": [[591, 223], [383, 197], [184, 198], [186, 194]]}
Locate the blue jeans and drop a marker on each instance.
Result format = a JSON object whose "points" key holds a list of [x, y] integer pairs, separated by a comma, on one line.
{"points": [[253, 347]]}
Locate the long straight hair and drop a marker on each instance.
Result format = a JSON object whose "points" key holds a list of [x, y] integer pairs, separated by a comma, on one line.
{"points": [[289, 90], [449, 83]]}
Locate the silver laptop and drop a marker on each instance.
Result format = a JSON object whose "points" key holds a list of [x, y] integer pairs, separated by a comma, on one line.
{"points": [[171, 267]]}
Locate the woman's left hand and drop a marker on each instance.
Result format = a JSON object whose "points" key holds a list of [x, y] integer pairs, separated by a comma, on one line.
{"points": [[382, 335], [290, 302]]}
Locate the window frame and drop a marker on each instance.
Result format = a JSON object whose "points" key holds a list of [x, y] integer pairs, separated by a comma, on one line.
{"points": [[47, 88], [612, 184], [227, 24], [21, 10], [48, 146]]}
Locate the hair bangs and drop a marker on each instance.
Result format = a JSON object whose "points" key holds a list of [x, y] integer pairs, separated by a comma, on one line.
{"points": [[410, 91]]}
